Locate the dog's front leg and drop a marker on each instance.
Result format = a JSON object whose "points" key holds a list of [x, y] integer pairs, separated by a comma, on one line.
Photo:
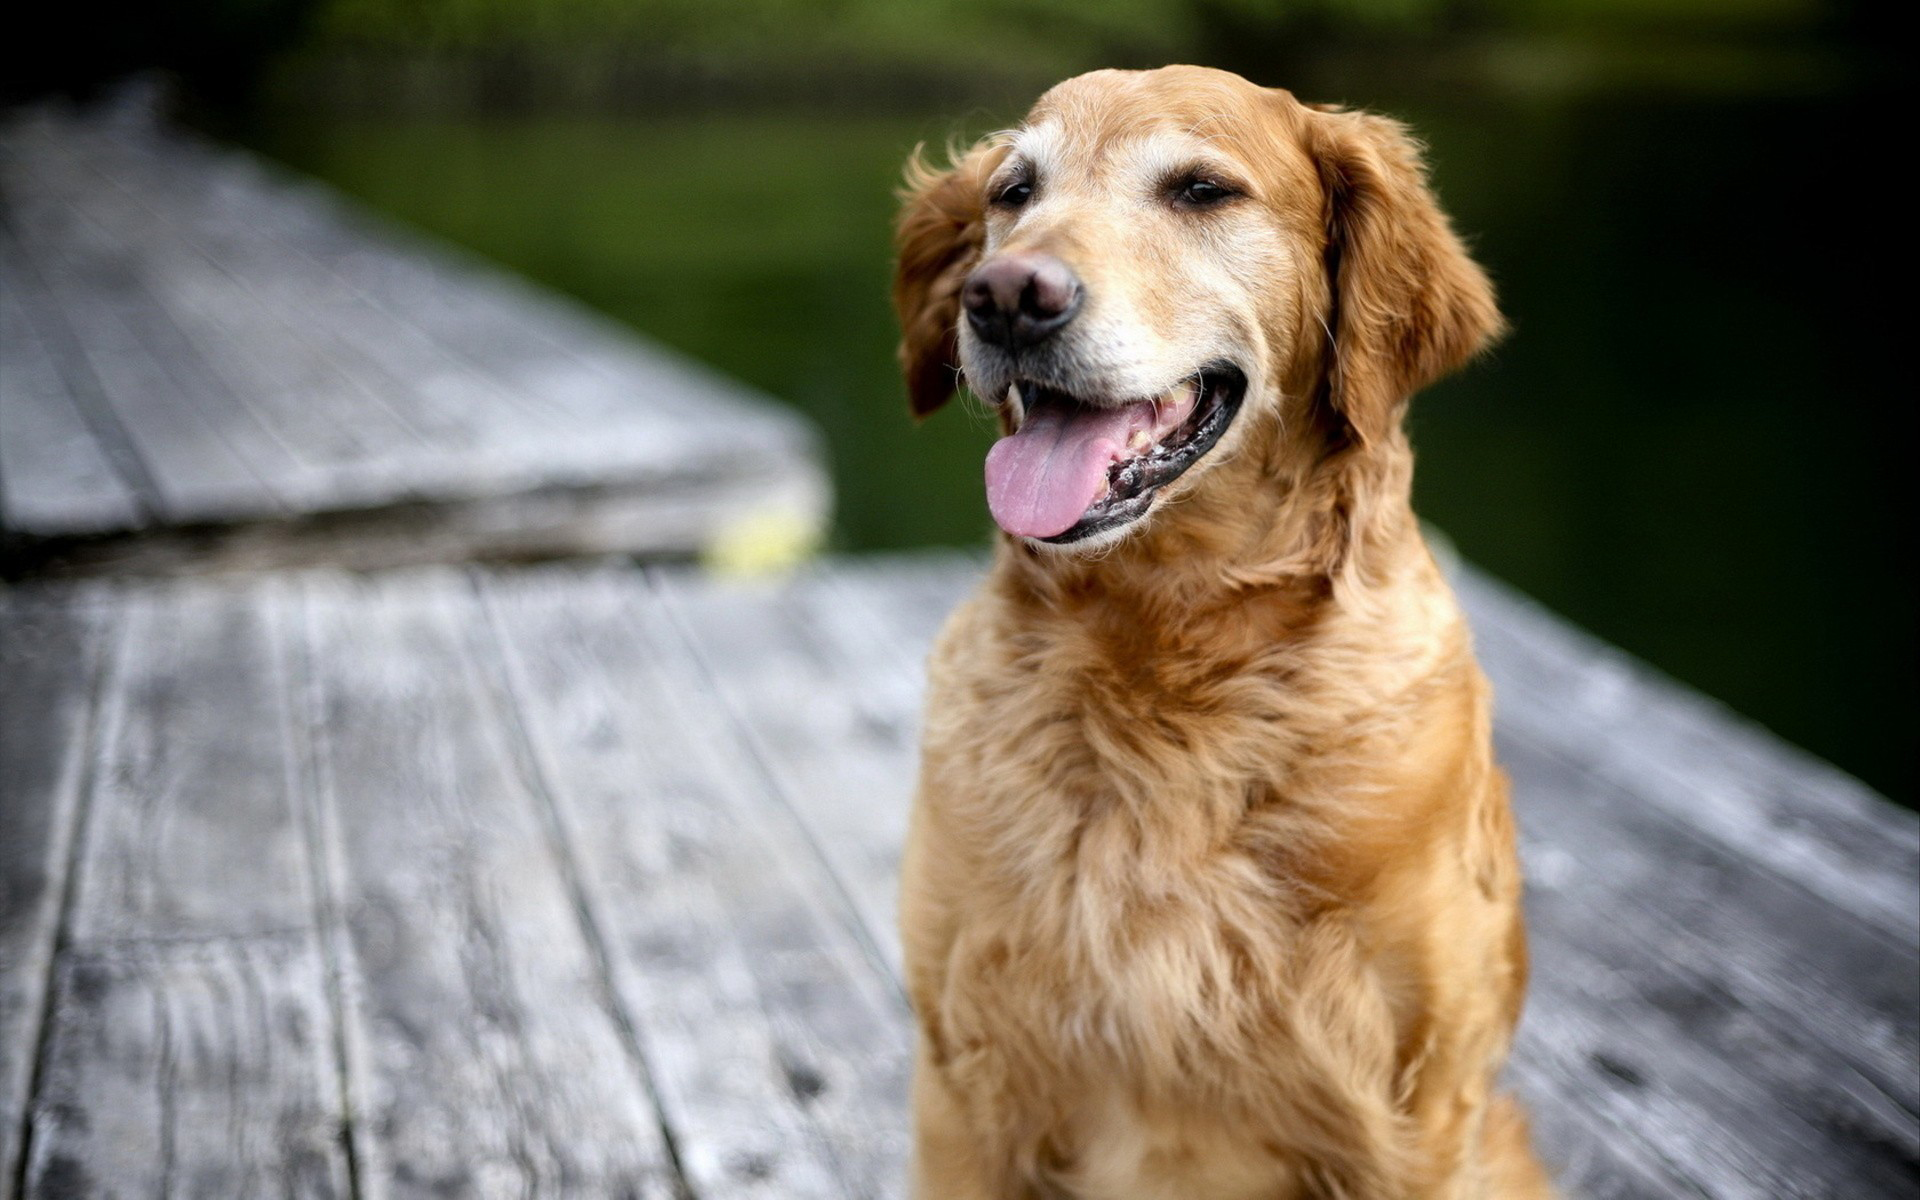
{"points": [[951, 1160]]}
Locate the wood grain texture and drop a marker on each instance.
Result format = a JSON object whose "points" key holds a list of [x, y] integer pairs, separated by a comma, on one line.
{"points": [[55, 476], [188, 1046], [195, 828], [1814, 1007], [1690, 757], [298, 383], [96, 318], [578, 881], [1670, 1038], [548, 351], [488, 1056], [669, 520], [830, 710], [199, 1068], [340, 439], [779, 1048], [50, 665]]}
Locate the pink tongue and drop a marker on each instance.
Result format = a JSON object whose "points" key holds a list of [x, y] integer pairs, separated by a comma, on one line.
{"points": [[1043, 478]]}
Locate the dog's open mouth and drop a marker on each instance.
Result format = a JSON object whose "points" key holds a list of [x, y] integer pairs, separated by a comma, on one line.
{"points": [[1074, 469]]}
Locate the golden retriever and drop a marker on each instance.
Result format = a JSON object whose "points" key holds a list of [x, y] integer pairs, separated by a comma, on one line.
{"points": [[1211, 889]]}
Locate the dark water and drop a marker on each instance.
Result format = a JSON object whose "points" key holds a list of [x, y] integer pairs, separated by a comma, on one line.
{"points": [[1690, 445]]}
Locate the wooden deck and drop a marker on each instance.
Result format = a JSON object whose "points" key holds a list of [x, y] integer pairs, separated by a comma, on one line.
{"points": [[210, 365], [579, 882]]}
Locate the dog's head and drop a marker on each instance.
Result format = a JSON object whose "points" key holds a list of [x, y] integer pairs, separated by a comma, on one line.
{"points": [[1160, 269]]}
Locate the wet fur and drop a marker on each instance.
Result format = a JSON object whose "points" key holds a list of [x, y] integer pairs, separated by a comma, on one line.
{"points": [[1211, 888]]}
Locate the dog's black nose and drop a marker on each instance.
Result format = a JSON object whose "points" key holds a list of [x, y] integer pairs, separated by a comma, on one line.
{"points": [[1015, 300]]}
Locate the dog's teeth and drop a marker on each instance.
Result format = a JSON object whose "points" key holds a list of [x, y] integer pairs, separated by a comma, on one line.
{"points": [[1139, 440], [1013, 393]]}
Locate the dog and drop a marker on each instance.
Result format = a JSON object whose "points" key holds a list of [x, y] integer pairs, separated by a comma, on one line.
{"points": [[1210, 889]]}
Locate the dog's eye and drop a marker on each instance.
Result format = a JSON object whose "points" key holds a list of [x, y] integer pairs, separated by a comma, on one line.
{"points": [[1195, 192], [1014, 194]]}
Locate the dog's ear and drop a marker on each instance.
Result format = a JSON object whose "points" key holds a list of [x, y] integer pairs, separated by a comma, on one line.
{"points": [[1408, 303], [937, 240]]}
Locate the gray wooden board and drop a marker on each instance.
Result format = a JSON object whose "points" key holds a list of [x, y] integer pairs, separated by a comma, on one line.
{"points": [[831, 712], [580, 879], [193, 781], [195, 1068], [325, 419], [1681, 752], [223, 204], [318, 363], [779, 1047], [565, 356], [94, 313], [505, 435], [573, 371], [49, 664], [667, 519], [54, 473], [283, 368], [1663, 1036], [187, 1045], [488, 1056]]}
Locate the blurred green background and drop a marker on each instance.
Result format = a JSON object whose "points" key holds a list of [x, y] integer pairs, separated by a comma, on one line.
{"points": [[1690, 444]]}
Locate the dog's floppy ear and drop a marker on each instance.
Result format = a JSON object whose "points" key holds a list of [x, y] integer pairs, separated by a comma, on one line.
{"points": [[1409, 304], [937, 240]]}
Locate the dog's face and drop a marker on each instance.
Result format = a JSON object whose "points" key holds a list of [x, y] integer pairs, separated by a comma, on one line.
{"points": [[1156, 268]]}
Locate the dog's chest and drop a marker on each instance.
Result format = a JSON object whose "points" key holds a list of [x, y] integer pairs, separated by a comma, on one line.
{"points": [[1134, 894]]}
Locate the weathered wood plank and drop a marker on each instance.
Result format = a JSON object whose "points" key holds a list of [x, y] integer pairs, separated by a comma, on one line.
{"points": [[779, 1048], [196, 829], [1676, 1041], [488, 1056], [584, 896], [90, 312], [1733, 950], [519, 374], [832, 713], [1693, 759], [197, 255], [915, 591], [667, 519], [293, 379], [254, 370], [50, 663], [267, 358], [1586, 1157], [250, 297], [567, 357], [55, 477], [189, 1069], [189, 1044]]}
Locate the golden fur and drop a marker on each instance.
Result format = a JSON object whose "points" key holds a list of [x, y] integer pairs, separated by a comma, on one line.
{"points": [[1211, 891]]}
